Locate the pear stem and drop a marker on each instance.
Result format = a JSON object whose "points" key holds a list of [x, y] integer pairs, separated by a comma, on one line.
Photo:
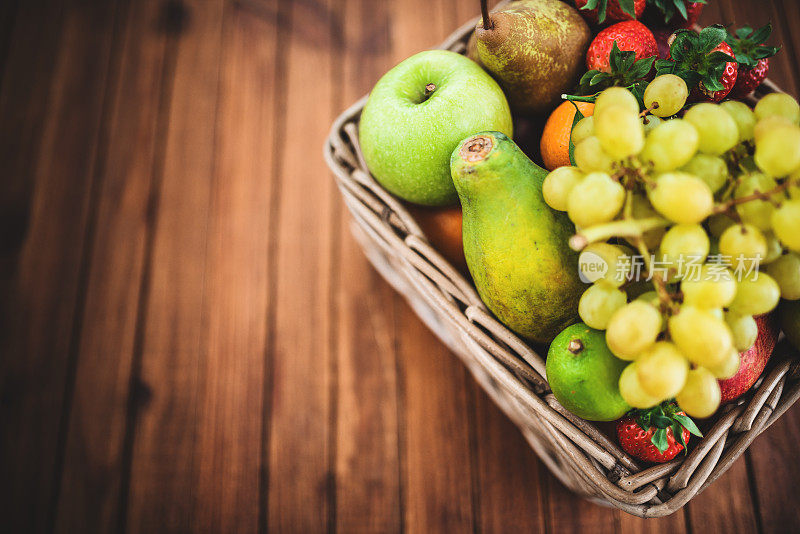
{"points": [[487, 22]]}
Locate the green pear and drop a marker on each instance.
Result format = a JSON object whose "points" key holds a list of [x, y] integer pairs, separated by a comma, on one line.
{"points": [[536, 50], [515, 245]]}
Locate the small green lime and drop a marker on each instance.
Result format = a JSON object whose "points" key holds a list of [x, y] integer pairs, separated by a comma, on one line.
{"points": [[789, 313], [584, 374]]}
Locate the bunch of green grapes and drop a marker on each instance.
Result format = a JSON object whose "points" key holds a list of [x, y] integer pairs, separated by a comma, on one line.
{"points": [[703, 201]]}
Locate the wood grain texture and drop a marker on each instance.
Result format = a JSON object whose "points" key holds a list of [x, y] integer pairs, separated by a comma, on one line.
{"points": [[301, 418], [28, 66], [93, 458], [169, 370], [367, 465], [228, 452], [39, 309]]}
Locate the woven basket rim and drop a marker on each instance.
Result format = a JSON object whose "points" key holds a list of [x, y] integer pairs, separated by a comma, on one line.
{"points": [[513, 374]]}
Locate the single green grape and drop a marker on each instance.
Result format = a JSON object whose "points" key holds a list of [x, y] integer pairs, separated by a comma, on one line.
{"points": [[598, 303], [778, 151], [662, 370], [558, 185], [684, 245], [670, 145], [633, 328], [756, 212], [669, 91], [631, 390], [711, 169], [700, 397], [756, 293], [613, 257], [743, 328], [616, 96], [701, 335], [620, 131], [595, 199], [786, 224], [711, 286], [583, 129], [682, 198], [590, 157], [786, 272], [779, 104], [744, 117], [717, 129], [743, 244]]}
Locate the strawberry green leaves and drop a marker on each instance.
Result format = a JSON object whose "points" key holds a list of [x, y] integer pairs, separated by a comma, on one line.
{"points": [[627, 6], [748, 45], [666, 416], [669, 8], [625, 71]]}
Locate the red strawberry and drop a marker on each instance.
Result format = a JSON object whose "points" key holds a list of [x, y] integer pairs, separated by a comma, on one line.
{"points": [[656, 435], [753, 57], [705, 62], [630, 35], [749, 78], [728, 78], [754, 359], [674, 14], [599, 11]]}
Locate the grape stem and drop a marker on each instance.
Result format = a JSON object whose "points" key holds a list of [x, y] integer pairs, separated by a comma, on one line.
{"points": [[756, 195], [576, 98], [602, 232], [648, 110]]}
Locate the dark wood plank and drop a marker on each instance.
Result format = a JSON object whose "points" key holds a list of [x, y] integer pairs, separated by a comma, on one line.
{"points": [[228, 451], [93, 458], [367, 445], [568, 512], [39, 309], [169, 361], [300, 452], [435, 432], [28, 67], [511, 481]]}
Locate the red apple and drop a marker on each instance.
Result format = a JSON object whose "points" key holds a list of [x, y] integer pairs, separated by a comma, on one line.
{"points": [[754, 359]]}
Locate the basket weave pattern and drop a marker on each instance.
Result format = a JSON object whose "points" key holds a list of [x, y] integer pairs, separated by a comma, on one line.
{"points": [[513, 375]]}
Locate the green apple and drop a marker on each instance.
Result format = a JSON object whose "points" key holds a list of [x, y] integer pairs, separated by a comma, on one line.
{"points": [[418, 113]]}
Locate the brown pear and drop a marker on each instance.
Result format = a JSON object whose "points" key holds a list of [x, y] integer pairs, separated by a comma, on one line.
{"points": [[536, 50]]}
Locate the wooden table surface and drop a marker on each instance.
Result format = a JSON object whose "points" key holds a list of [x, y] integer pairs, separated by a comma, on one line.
{"points": [[192, 341]]}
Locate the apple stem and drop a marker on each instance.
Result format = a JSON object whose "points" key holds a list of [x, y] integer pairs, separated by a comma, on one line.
{"points": [[429, 89], [487, 22]]}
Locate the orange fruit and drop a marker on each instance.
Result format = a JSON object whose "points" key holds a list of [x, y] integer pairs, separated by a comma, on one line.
{"points": [[555, 136], [442, 226]]}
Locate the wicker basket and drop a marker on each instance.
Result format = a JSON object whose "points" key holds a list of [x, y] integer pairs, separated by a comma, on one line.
{"points": [[579, 454]]}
